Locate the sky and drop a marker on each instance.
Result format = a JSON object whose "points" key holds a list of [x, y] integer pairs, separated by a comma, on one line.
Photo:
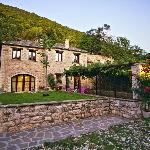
{"points": [[127, 18]]}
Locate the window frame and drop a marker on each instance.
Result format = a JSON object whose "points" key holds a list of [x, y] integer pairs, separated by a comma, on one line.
{"points": [[76, 55], [33, 58], [17, 50], [59, 59]]}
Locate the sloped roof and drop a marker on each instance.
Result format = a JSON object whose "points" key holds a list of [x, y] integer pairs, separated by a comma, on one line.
{"points": [[36, 44], [27, 43]]}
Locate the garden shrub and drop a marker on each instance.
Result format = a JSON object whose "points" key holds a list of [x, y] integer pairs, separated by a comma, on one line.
{"points": [[51, 81]]}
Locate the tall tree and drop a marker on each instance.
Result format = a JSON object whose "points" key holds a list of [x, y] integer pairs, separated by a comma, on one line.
{"points": [[94, 39], [47, 41], [99, 42]]}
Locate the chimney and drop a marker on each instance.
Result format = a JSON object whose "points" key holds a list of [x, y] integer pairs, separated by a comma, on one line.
{"points": [[67, 43]]}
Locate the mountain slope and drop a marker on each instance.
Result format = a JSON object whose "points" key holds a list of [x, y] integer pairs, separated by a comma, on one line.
{"points": [[17, 23]]}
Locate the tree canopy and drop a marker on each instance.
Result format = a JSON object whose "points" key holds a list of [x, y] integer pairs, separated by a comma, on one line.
{"points": [[119, 48]]}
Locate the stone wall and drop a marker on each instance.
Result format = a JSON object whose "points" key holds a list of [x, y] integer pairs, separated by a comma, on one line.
{"points": [[25, 116], [0, 80], [125, 108]]}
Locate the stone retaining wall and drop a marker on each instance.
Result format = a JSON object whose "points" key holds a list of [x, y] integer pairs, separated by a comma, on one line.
{"points": [[25, 116]]}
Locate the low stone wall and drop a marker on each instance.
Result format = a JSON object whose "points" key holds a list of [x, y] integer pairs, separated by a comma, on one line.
{"points": [[125, 108], [24, 116]]}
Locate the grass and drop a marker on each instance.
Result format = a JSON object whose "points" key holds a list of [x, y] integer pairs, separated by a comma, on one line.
{"points": [[128, 136], [19, 98]]}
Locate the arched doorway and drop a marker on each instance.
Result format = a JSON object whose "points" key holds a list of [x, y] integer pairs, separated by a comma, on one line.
{"points": [[22, 82]]}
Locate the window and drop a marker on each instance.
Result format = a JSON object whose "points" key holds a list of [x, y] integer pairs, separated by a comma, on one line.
{"points": [[58, 56], [22, 83], [76, 58], [32, 55], [16, 53]]}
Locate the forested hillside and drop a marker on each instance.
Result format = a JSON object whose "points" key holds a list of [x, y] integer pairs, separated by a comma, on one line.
{"points": [[19, 24], [16, 23]]}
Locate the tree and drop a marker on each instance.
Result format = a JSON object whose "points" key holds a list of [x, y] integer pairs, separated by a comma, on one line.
{"points": [[98, 41], [90, 43], [32, 33], [47, 41], [94, 39], [9, 28], [138, 53]]}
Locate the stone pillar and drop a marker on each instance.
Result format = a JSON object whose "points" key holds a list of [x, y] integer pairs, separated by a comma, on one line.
{"points": [[136, 68]]}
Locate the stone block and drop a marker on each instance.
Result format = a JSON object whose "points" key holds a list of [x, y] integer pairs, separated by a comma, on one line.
{"points": [[126, 116], [9, 124], [1, 112], [76, 111], [48, 118], [40, 108], [1, 129], [25, 120], [36, 118]]}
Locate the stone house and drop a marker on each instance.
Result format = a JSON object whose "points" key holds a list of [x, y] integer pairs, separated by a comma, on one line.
{"points": [[21, 68]]}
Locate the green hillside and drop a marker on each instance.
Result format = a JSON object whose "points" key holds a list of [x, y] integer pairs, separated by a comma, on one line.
{"points": [[17, 23]]}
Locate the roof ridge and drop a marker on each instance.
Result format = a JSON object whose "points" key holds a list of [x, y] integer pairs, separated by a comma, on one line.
{"points": [[36, 44]]}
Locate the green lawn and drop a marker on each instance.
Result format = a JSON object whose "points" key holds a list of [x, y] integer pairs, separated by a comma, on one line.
{"points": [[129, 136], [18, 98]]}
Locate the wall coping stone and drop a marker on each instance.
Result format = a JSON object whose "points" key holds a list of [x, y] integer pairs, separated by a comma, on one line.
{"points": [[44, 103], [127, 100], [100, 98]]}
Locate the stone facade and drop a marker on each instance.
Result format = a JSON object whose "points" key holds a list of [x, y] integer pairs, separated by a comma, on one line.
{"points": [[11, 67], [26, 116], [67, 61], [0, 81], [98, 58]]}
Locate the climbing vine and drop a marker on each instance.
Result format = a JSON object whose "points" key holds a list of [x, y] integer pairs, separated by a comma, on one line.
{"points": [[100, 69]]}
